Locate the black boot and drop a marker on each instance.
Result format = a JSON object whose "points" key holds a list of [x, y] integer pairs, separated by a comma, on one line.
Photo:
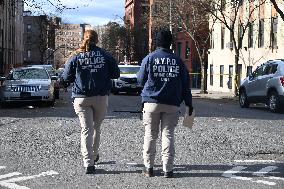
{"points": [[148, 172], [90, 170]]}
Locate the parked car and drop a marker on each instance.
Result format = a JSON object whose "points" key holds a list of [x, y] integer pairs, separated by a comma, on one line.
{"points": [[52, 72], [127, 82], [264, 85], [27, 84]]}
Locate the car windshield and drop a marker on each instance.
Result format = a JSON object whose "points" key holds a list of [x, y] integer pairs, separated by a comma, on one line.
{"points": [[29, 74], [49, 68], [129, 70]]}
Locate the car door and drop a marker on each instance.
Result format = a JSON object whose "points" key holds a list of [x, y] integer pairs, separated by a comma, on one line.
{"points": [[263, 80], [253, 86]]}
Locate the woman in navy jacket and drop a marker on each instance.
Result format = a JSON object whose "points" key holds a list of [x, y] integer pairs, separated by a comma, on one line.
{"points": [[90, 70], [166, 85]]}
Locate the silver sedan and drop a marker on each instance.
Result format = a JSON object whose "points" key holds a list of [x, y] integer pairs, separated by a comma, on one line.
{"points": [[27, 84]]}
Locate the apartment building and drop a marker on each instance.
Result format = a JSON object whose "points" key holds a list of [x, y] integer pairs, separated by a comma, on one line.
{"points": [[11, 28], [39, 38], [263, 40], [67, 39], [136, 21]]}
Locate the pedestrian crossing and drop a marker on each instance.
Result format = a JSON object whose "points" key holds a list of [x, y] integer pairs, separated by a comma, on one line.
{"points": [[257, 173]]}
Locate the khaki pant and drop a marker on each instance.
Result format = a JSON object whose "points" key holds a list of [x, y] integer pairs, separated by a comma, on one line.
{"points": [[91, 112], [156, 116]]}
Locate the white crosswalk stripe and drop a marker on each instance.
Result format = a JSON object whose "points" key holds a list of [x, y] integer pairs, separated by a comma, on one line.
{"points": [[239, 169], [264, 171], [2, 167]]}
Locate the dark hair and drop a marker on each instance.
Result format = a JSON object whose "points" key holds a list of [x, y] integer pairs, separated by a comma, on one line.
{"points": [[164, 39]]}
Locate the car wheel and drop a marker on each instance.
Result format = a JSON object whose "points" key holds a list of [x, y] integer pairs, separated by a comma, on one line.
{"points": [[115, 92], [4, 104], [243, 99], [273, 102]]}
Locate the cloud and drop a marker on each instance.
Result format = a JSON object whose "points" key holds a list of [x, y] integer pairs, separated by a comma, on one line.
{"points": [[95, 12], [98, 12]]}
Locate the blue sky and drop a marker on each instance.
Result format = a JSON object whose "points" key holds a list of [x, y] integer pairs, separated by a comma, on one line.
{"points": [[95, 12]]}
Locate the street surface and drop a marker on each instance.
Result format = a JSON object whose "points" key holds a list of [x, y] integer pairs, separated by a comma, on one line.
{"points": [[229, 147]]}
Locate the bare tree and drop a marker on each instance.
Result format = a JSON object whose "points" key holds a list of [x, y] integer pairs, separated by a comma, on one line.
{"points": [[238, 17], [280, 12], [187, 16]]}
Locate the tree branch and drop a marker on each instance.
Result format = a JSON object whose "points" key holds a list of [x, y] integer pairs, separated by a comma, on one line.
{"points": [[280, 12]]}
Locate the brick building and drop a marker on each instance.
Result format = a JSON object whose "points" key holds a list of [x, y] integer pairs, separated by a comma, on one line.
{"points": [[11, 40], [39, 38], [136, 21]]}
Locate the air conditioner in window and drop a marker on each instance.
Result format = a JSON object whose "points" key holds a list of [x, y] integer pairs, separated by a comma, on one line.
{"points": [[230, 45]]}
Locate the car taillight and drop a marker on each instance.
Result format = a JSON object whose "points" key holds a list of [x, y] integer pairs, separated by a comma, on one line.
{"points": [[282, 80]]}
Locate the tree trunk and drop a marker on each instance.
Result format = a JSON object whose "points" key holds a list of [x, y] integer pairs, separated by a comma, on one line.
{"points": [[203, 77], [236, 76]]}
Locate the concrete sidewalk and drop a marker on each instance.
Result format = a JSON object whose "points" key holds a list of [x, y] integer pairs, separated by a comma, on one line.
{"points": [[213, 95]]}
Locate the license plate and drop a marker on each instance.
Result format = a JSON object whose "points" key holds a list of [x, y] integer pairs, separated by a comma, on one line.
{"points": [[25, 94]]}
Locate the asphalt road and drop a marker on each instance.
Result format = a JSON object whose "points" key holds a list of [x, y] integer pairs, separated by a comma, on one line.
{"points": [[229, 147]]}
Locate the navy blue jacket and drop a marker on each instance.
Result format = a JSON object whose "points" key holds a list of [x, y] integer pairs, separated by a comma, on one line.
{"points": [[91, 72], [165, 79]]}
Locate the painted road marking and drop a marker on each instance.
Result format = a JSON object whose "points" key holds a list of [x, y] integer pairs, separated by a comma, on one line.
{"points": [[2, 167], [254, 161], [10, 183], [9, 175], [264, 170], [231, 174]]}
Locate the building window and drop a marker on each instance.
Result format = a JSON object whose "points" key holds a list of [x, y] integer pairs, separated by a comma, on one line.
{"points": [[239, 73], [29, 28], [249, 70], [29, 53], [222, 37], [221, 75], [211, 75], [187, 50], [274, 27], [250, 35], [230, 82], [240, 34], [180, 25], [211, 40], [179, 48], [261, 33]]}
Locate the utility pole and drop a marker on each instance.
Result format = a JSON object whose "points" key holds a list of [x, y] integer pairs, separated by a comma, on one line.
{"points": [[171, 28]]}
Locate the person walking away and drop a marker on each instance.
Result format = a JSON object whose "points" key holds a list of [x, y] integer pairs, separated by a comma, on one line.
{"points": [[165, 81], [90, 70]]}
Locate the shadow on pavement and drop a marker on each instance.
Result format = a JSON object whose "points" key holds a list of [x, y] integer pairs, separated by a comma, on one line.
{"points": [[208, 170]]}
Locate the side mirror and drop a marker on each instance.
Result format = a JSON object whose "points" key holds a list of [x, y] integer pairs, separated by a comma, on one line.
{"points": [[54, 77]]}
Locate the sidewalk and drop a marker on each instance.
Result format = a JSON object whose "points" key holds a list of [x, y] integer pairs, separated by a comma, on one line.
{"points": [[212, 95]]}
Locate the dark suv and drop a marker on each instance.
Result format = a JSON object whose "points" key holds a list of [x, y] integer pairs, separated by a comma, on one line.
{"points": [[264, 85]]}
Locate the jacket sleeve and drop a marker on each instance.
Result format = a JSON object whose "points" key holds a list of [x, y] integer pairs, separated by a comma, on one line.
{"points": [[142, 76], [69, 72], [114, 71], [186, 91]]}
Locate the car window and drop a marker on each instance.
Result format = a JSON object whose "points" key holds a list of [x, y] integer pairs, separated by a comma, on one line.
{"points": [[129, 70], [273, 68], [259, 71], [270, 69], [29, 74]]}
